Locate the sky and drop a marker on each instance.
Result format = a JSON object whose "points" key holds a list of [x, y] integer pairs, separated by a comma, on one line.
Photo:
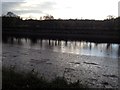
{"points": [[64, 9]]}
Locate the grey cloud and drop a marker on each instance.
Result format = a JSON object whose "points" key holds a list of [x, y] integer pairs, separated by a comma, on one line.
{"points": [[12, 0], [119, 8], [47, 5], [16, 7], [19, 12], [9, 6]]}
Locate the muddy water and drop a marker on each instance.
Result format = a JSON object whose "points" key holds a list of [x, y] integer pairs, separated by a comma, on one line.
{"points": [[75, 47], [93, 64]]}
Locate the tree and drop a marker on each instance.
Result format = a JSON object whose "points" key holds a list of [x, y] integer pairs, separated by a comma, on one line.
{"points": [[10, 19], [41, 18], [110, 17], [11, 14], [48, 17]]}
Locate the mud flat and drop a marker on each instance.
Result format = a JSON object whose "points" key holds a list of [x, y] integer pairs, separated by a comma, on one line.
{"points": [[96, 72]]}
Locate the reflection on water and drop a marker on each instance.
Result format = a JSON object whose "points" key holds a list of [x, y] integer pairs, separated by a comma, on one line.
{"points": [[75, 47]]}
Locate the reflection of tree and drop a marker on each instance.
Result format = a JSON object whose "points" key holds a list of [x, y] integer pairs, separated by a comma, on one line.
{"points": [[108, 49], [90, 46], [66, 43], [119, 51], [26, 40], [11, 40], [33, 40], [55, 42], [59, 42], [75, 44], [41, 42], [49, 42], [19, 41], [96, 44], [108, 46]]}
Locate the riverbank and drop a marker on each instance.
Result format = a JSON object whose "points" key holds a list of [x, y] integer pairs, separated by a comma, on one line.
{"points": [[14, 80], [96, 72]]}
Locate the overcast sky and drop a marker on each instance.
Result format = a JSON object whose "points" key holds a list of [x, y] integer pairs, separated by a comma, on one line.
{"points": [[65, 9]]}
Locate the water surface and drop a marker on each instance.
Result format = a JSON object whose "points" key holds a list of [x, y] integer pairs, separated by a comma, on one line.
{"points": [[94, 64], [75, 47]]}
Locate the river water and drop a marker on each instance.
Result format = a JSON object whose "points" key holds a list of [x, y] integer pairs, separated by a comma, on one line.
{"points": [[75, 47], [94, 64]]}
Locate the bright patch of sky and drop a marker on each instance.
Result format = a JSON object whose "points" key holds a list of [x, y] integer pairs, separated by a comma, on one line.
{"points": [[65, 9]]}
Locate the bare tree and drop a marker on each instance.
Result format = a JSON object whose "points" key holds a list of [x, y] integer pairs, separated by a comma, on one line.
{"points": [[48, 17], [110, 17]]}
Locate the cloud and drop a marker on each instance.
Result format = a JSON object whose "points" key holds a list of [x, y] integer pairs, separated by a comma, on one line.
{"points": [[9, 6], [12, 0], [47, 5], [19, 12], [62, 8], [119, 8], [20, 8]]}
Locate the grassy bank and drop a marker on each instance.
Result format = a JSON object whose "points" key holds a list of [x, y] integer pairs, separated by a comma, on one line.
{"points": [[14, 80]]}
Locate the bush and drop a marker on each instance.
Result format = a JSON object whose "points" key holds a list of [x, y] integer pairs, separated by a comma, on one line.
{"points": [[14, 80]]}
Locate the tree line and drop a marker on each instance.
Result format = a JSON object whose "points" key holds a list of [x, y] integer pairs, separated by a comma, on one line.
{"points": [[108, 29], [48, 21]]}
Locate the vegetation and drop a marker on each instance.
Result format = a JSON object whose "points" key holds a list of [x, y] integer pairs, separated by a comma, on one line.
{"points": [[15, 80], [73, 29]]}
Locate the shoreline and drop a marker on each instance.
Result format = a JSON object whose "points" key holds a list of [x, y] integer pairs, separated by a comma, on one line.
{"points": [[95, 71], [66, 37]]}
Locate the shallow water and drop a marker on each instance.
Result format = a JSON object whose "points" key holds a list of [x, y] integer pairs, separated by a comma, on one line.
{"points": [[93, 64], [75, 47]]}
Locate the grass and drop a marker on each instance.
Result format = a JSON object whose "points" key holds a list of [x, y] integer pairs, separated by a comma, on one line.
{"points": [[14, 80]]}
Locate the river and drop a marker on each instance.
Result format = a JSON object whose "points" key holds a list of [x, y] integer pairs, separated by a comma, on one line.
{"points": [[94, 64]]}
